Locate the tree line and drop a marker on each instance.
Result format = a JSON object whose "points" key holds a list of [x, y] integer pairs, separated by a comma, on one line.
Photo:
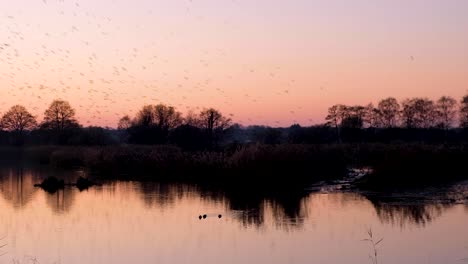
{"points": [[162, 124], [410, 113], [414, 119], [153, 124]]}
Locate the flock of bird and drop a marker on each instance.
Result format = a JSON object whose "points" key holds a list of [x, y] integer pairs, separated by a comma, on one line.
{"points": [[71, 51]]}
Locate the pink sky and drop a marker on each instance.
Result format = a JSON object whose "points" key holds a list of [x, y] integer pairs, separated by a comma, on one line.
{"points": [[263, 62]]}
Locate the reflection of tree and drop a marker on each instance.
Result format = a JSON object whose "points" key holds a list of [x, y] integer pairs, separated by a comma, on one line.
{"points": [[16, 186], [289, 211], [285, 207], [61, 201], [248, 205]]}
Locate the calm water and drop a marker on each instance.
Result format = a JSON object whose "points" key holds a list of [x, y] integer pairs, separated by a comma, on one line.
{"points": [[126, 222]]}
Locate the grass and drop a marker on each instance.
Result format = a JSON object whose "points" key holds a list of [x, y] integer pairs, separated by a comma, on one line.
{"points": [[374, 243]]}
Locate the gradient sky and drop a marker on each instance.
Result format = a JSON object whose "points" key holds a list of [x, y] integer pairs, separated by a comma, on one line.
{"points": [[271, 62]]}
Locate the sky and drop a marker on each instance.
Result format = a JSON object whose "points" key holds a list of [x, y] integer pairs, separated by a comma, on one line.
{"points": [[269, 62]]}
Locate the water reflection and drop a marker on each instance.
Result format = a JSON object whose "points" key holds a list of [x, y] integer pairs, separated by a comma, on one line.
{"points": [[135, 222], [250, 207], [417, 207], [16, 185], [402, 215], [61, 201]]}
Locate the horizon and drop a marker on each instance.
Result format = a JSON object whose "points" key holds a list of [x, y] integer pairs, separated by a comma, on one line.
{"points": [[287, 61]]}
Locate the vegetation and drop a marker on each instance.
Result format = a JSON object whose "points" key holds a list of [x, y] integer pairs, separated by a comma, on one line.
{"points": [[410, 143], [269, 164], [374, 243]]}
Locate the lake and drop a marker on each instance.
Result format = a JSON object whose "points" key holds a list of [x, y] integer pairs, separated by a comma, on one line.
{"points": [[132, 222]]}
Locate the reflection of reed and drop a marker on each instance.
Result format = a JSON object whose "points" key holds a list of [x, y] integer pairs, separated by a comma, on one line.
{"points": [[403, 213]]}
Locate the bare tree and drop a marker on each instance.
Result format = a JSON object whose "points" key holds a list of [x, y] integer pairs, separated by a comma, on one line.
{"points": [[166, 117], [418, 113], [371, 118], [191, 119], [145, 117], [160, 116], [124, 123], [211, 120], [353, 116], [464, 112], [446, 111], [59, 116], [335, 117], [18, 119], [388, 111]]}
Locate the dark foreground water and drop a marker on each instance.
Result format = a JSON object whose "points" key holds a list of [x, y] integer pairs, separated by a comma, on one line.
{"points": [[130, 222]]}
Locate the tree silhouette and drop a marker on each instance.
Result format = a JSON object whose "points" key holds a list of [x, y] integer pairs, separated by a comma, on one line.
{"points": [[18, 119], [418, 113], [354, 116], [335, 117], [352, 122], [161, 116], [446, 111], [388, 111], [464, 112], [145, 117], [153, 124], [124, 123], [59, 116], [191, 119], [213, 122], [166, 117]]}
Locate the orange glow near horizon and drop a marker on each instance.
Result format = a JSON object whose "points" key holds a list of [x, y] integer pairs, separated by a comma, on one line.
{"points": [[268, 62]]}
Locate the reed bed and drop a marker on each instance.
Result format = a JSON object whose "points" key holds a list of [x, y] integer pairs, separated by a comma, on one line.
{"points": [[393, 165]]}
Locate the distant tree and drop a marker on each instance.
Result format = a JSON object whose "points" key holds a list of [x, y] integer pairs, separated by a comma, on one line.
{"points": [[352, 122], [371, 118], [153, 124], [145, 117], [269, 135], [464, 112], [388, 111], [418, 113], [213, 122], [123, 127], [93, 136], [161, 116], [335, 117], [166, 117], [18, 119], [59, 116], [191, 119], [356, 116], [124, 123], [446, 111]]}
